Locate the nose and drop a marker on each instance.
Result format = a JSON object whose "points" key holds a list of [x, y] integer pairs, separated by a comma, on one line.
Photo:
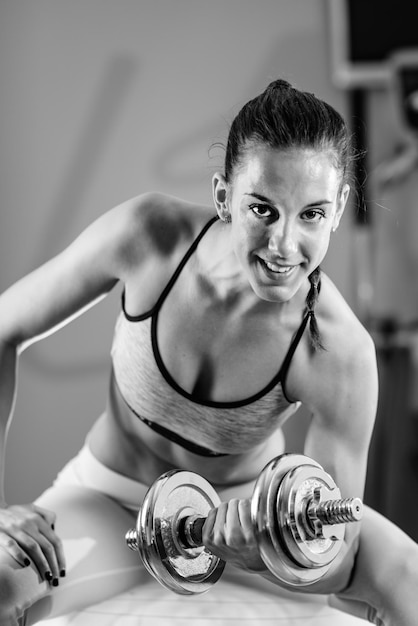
{"points": [[283, 240]]}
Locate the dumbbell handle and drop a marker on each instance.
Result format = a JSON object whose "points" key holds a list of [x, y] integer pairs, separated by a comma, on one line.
{"points": [[190, 531], [339, 511]]}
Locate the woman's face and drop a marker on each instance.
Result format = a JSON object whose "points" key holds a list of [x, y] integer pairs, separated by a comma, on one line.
{"points": [[284, 205]]}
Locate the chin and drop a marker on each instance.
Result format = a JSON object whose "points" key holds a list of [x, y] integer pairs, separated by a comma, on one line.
{"points": [[269, 293]]}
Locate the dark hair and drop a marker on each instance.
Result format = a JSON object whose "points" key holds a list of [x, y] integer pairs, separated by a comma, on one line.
{"points": [[284, 117]]}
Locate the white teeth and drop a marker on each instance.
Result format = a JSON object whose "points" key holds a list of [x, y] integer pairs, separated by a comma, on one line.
{"points": [[277, 268]]}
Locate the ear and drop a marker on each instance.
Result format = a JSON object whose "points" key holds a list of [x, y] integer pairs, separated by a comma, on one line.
{"points": [[220, 195], [341, 204]]}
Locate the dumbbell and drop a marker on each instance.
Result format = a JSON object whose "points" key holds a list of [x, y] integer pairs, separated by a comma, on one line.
{"points": [[297, 513]]}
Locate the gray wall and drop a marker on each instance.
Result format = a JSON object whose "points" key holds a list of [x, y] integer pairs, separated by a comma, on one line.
{"points": [[100, 101]]}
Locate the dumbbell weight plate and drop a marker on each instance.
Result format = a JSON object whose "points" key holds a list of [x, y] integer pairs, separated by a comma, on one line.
{"points": [[310, 546], [291, 555], [175, 495]]}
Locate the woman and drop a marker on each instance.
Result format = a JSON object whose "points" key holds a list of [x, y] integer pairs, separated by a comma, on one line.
{"points": [[227, 326]]}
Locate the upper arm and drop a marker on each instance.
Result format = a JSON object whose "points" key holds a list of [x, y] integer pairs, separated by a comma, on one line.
{"points": [[343, 408], [82, 273]]}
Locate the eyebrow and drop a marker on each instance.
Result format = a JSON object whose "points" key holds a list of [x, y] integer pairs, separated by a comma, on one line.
{"points": [[259, 196]]}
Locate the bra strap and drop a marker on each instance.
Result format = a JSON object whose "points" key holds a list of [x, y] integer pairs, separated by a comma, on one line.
{"points": [[183, 262], [292, 348]]}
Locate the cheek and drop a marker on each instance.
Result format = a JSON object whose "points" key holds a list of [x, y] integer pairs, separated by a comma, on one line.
{"points": [[247, 238], [254, 232], [319, 245], [241, 246]]}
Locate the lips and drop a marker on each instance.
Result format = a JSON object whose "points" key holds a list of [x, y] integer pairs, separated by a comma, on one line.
{"points": [[277, 268]]}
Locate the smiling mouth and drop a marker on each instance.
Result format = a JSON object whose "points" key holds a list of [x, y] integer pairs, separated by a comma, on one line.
{"points": [[275, 268]]}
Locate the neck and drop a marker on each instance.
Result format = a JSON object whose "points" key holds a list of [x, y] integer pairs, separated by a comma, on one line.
{"points": [[221, 278], [217, 267]]}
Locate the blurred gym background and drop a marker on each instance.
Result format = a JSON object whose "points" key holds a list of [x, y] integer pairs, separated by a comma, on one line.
{"points": [[103, 100]]}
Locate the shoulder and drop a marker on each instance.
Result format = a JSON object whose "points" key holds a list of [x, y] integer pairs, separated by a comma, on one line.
{"points": [[153, 226], [344, 336], [342, 376], [348, 366], [160, 219]]}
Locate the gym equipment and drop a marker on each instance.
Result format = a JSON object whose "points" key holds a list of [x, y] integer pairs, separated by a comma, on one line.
{"points": [[297, 512], [170, 501]]}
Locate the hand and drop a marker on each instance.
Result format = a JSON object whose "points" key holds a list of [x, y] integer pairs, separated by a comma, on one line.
{"points": [[27, 534], [228, 533]]}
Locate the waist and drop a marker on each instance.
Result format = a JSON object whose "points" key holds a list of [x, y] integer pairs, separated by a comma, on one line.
{"points": [[143, 455], [85, 470]]}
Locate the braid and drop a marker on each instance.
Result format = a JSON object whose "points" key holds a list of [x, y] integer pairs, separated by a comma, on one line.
{"points": [[311, 300]]}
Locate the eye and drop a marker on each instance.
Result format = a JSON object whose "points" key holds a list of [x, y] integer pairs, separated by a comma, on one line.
{"points": [[313, 215], [261, 210]]}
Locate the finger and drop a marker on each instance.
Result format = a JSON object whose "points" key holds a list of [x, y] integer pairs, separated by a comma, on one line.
{"points": [[222, 534], [42, 521], [55, 551], [36, 539], [220, 523], [40, 552], [233, 524], [213, 531], [228, 523], [241, 537], [53, 539], [247, 526], [9, 545], [46, 514]]}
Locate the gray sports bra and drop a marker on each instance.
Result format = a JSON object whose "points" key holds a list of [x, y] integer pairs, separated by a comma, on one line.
{"points": [[204, 427]]}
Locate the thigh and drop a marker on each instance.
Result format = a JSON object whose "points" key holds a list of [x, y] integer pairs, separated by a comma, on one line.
{"points": [[99, 564]]}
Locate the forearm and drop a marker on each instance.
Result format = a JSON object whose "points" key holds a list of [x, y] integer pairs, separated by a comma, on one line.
{"points": [[385, 575], [8, 366]]}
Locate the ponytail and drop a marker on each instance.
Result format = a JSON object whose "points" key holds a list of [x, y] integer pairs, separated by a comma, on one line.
{"points": [[311, 300]]}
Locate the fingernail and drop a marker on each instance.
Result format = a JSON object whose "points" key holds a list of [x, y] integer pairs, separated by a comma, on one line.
{"points": [[48, 576], [53, 526], [62, 573], [26, 562], [55, 582]]}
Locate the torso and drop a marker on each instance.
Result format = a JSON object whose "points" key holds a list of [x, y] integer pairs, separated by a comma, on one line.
{"points": [[216, 352]]}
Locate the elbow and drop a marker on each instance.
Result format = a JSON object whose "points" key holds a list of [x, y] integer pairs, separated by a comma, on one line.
{"points": [[10, 345]]}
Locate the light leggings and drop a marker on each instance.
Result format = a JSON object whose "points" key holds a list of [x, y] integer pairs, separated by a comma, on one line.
{"points": [[94, 507]]}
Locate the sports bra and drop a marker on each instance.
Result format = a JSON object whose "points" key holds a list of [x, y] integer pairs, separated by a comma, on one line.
{"points": [[204, 427]]}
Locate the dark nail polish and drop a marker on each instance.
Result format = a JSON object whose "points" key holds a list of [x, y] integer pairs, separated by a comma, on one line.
{"points": [[26, 562], [55, 582], [53, 526], [48, 576], [62, 573]]}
